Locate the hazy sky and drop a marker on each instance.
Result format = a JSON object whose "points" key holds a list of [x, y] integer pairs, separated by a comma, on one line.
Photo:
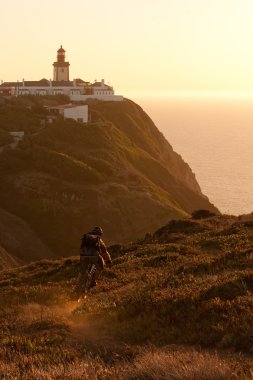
{"points": [[136, 45]]}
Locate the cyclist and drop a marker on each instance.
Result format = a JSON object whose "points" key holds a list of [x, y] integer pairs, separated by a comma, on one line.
{"points": [[92, 251]]}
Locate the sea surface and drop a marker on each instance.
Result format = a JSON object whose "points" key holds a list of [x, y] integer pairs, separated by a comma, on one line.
{"points": [[215, 137]]}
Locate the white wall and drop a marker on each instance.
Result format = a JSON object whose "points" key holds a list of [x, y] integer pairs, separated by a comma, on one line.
{"points": [[78, 113], [47, 90], [112, 98], [23, 92], [41, 92], [99, 91], [73, 92]]}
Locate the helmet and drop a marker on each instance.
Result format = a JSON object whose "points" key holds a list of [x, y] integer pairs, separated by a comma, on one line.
{"points": [[97, 231]]}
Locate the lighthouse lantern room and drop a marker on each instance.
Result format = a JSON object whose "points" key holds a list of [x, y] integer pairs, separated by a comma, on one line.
{"points": [[61, 68]]}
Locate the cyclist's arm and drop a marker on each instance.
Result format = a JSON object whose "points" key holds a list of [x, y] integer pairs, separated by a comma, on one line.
{"points": [[104, 253]]}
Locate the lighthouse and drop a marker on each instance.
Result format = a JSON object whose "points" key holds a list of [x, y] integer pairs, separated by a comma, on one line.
{"points": [[61, 68]]}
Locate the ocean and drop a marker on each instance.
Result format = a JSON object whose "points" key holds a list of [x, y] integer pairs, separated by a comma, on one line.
{"points": [[215, 137]]}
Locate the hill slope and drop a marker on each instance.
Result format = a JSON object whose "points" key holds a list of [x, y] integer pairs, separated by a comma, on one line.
{"points": [[19, 243], [187, 289], [6, 261], [118, 172]]}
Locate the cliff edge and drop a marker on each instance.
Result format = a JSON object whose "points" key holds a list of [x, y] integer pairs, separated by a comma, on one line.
{"points": [[118, 171]]}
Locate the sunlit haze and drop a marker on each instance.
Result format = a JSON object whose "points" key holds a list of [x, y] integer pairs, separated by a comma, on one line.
{"points": [[138, 46]]}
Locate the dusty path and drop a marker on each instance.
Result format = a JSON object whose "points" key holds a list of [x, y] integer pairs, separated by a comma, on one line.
{"points": [[53, 342]]}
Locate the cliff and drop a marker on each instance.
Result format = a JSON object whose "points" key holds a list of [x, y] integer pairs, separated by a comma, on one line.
{"points": [[118, 172]]}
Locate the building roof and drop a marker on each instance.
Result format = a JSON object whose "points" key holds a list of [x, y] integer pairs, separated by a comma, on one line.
{"points": [[100, 84], [61, 50], [40, 83], [8, 84], [81, 81], [62, 83]]}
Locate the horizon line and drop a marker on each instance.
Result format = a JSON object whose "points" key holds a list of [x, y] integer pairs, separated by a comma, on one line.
{"points": [[205, 94]]}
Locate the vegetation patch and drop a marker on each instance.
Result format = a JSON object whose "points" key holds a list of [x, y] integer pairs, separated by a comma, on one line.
{"points": [[175, 296]]}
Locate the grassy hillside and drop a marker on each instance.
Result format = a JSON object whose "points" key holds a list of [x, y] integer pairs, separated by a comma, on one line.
{"points": [[176, 305], [5, 138], [118, 172], [6, 260], [19, 241]]}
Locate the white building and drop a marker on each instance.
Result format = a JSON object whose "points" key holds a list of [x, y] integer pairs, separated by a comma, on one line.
{"points": [[100, 88], [61, 85], [70, 111]]}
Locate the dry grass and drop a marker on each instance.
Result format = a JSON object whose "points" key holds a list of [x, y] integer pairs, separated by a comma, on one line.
{"points": [[159, 365], [35, 368], [170, 290], [149, 365]]}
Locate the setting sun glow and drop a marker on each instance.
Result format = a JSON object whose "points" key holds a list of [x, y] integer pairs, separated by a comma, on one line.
{"points": [[138, 46]]}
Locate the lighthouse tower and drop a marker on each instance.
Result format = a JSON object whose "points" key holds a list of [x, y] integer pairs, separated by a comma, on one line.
{"points": [[61, 68]]}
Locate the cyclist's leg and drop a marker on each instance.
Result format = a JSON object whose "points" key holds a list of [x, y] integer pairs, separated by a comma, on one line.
{"points": [[100, 267], [84, 264]]}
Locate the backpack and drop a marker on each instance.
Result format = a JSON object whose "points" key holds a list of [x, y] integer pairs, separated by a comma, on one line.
{"points": [[90, 245]]}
